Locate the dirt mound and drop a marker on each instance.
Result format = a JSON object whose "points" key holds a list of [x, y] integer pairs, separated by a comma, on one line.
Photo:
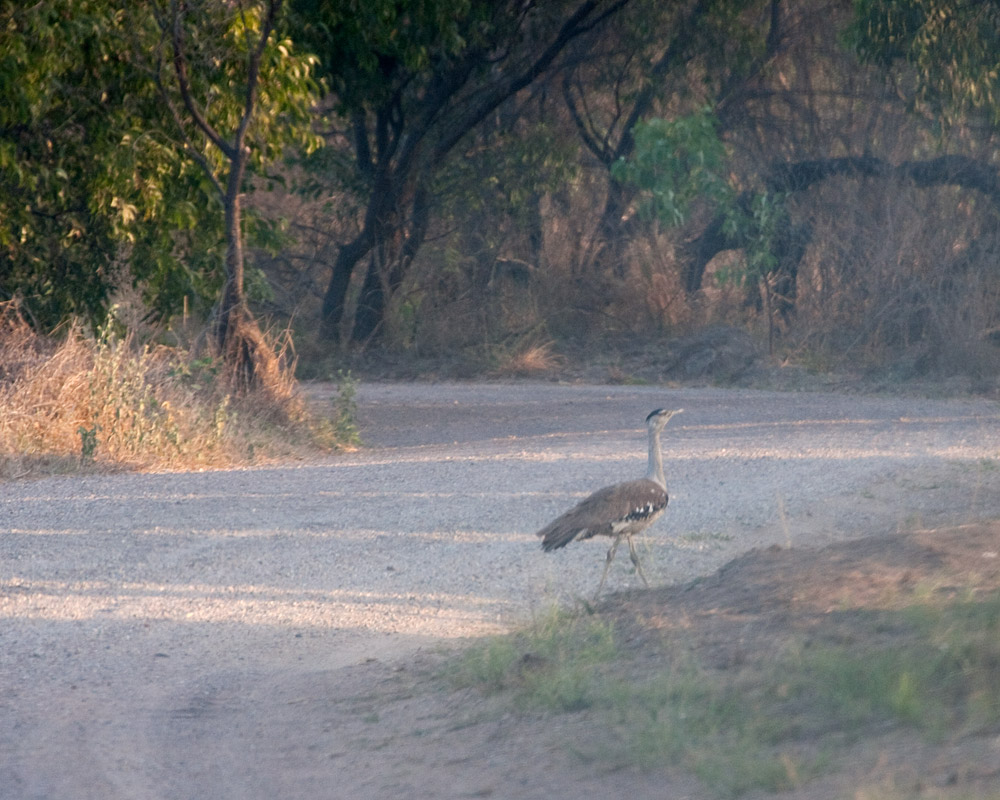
{"points": [[758, 600], [739, 618]]}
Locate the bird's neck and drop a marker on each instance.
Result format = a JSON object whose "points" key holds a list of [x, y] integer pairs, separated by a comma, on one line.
{"points": [[655, 470]]}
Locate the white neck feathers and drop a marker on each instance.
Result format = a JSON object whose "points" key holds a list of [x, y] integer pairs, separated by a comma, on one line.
{"points": [[654, 471]]}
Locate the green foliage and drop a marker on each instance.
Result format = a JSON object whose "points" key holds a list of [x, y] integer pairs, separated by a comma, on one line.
{"points": [[88, 442], [97, 181], [64, 202], [369, 50], [952, 47], [728, 733], [553, 663], [393, 71], [487, 667], [673, 712], [218, 41], [675, 163], [755, 226], [946, 678]]}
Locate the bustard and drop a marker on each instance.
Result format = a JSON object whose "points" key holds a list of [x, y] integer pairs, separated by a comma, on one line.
{"points": [[619, 511]]}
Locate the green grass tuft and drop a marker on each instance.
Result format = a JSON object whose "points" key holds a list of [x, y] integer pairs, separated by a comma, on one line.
{"points": [[944, 677], [931, 665], [551, 664]]}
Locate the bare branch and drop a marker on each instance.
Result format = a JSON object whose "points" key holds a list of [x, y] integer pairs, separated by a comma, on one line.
{"points": [[584, 127], [578, 23], [674, 51]]}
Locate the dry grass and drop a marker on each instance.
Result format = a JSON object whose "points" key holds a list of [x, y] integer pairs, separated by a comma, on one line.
{"points": [[108, 401], [881, 289], [533, 358]]}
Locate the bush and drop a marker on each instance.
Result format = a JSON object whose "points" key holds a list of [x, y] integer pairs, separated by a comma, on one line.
{"points": [[109, 400]]}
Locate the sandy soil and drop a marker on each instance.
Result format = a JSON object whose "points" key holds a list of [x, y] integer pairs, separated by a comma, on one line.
{"points": [[269, 633]]}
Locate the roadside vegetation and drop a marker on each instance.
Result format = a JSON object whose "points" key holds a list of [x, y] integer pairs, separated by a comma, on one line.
{"points": [[677, 191], [107, 400], [497, 188], [748, 702]]}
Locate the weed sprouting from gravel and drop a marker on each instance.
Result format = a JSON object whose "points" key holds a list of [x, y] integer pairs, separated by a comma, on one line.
{"points": [[345, 411]]}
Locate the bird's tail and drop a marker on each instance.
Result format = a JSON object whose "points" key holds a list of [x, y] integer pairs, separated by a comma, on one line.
{"points": [[555, 535]]}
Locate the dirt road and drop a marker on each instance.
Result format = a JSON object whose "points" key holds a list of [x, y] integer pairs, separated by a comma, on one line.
{"points": [[194, 635]]}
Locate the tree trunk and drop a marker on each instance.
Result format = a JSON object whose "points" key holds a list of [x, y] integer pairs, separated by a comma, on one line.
{"points": [[606, 253], [391, 262], [335, 298], [395, 228], [698, 252], [797, 176], [246, 354], [370, 312], [412, 141], [382, 210], [249, 359], [232, 301]]}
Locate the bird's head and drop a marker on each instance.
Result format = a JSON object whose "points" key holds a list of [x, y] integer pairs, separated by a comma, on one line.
{"points": [[657, 419]]}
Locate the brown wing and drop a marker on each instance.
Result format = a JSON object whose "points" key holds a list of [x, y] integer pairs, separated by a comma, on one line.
{"points": [[607, 512]]}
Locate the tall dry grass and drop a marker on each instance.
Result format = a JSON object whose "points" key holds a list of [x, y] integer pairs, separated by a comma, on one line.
{"points": [[901, 280], [109, 401]]}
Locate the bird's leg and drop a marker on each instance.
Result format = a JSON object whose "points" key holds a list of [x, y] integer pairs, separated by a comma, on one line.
{"points": [[635, 560], [607, 563]]}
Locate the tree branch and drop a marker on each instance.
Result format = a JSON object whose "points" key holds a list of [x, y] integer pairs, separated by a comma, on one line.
{"points": [[579, 22], [189, 146], [584, 128], [947, 170], [183, 82], [643, 101], [253, 73]]}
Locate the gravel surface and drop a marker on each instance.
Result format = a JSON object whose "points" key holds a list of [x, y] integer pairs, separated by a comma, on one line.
{"points": [[129, 604]]}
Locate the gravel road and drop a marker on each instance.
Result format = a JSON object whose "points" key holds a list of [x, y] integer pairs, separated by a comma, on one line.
{"points": [[130, 604]]}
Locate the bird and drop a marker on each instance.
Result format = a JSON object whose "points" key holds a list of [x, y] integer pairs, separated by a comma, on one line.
{"points": [[621, 510]]}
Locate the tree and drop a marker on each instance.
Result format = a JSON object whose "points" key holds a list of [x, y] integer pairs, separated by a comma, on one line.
{"points": [[410, 81], [236, 93], [674, 163], [950, 52], [656, 61], [105, 174]]}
